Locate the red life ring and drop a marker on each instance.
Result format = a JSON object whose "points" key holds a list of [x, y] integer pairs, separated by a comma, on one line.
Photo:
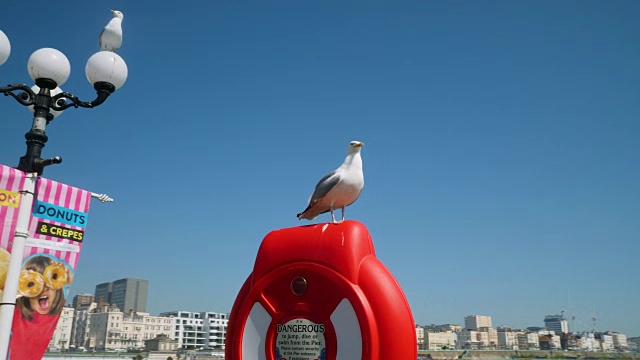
{"points": [[317, 293]]}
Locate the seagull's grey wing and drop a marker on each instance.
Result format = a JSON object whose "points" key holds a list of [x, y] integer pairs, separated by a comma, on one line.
{"points": [[324, 186], [100, 38]]}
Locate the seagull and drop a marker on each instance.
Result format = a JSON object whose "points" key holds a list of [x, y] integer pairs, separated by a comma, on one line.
{"points": [[338, 188], [111, 36]]}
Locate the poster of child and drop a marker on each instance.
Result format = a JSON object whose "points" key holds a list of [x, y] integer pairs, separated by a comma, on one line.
{"points": [[42, 289]]}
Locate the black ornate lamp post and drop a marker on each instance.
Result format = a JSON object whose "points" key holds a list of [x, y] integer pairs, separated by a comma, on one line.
{"points": [[49, 68]]}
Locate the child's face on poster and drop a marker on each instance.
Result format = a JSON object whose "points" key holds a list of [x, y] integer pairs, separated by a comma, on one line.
{"points": [[43, 302]]}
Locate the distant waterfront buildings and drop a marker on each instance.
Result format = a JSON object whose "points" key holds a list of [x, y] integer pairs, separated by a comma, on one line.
{"points": [[110, 328], [103, 325], [127, 294], [557, 323], [478, 334]]}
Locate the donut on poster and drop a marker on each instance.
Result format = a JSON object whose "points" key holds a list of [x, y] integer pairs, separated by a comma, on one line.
{"points": [[42, 291]]}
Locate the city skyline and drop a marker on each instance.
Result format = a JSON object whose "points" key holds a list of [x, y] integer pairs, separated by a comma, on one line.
{"points": [[107, 327], [500, 156], [570, 321], [478, 332]]}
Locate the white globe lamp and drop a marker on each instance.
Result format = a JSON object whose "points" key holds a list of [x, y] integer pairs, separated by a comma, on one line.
{"points": [[106, 67], [48, 63], [5, 47]]}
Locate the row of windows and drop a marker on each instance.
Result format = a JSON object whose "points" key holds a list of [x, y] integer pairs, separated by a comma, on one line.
{"points": [[207, 315]]}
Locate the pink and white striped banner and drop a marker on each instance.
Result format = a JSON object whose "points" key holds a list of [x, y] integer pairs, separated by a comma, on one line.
{"points": [[58, 220], [11, 182]]}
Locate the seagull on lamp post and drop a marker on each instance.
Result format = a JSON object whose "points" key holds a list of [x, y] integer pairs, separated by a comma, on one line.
{"points": [[111, 36]]}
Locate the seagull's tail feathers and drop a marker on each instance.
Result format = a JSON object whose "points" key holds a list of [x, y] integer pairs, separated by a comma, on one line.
{"points": [[301, 216], [306, 214], [312, 211]]}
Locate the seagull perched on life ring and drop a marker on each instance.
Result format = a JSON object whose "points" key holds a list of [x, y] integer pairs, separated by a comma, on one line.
{"points": [[339, 188]]}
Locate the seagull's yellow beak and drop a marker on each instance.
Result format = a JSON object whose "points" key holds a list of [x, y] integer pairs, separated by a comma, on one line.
{"points": [[113, 12], [359, 144]]}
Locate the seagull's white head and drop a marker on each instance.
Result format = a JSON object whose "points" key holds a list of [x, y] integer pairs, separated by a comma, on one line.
{"points": [[117, 14], [354, 147]]}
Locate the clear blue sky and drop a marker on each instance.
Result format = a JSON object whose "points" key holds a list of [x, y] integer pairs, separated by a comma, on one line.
{"points": [[501, 157]]}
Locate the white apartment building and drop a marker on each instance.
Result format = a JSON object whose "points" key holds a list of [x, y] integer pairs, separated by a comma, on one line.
{"points": [[619, 341], [420, 337], [475, 322], [439, 340], [79, 334], [597, 346], [528, 341], [61, 338], [492, 337], [110, 329], [195, 330], [587, 341], [471, 339], [507, 340], [606, 342]]}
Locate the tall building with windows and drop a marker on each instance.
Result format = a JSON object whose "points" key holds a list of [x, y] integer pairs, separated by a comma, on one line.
{"points": [[102, 294], [127, 294], [475, 322], [557, 323]]}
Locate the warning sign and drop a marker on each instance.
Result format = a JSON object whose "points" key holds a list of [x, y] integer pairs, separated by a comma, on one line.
{"points": [[300, 339]]}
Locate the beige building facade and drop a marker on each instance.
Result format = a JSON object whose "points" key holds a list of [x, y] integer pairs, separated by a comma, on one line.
{"points": [[111, 329], [61, 338]]}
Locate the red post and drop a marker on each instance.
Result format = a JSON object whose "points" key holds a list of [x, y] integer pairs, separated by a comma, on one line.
{"points": [[319, 292]]}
